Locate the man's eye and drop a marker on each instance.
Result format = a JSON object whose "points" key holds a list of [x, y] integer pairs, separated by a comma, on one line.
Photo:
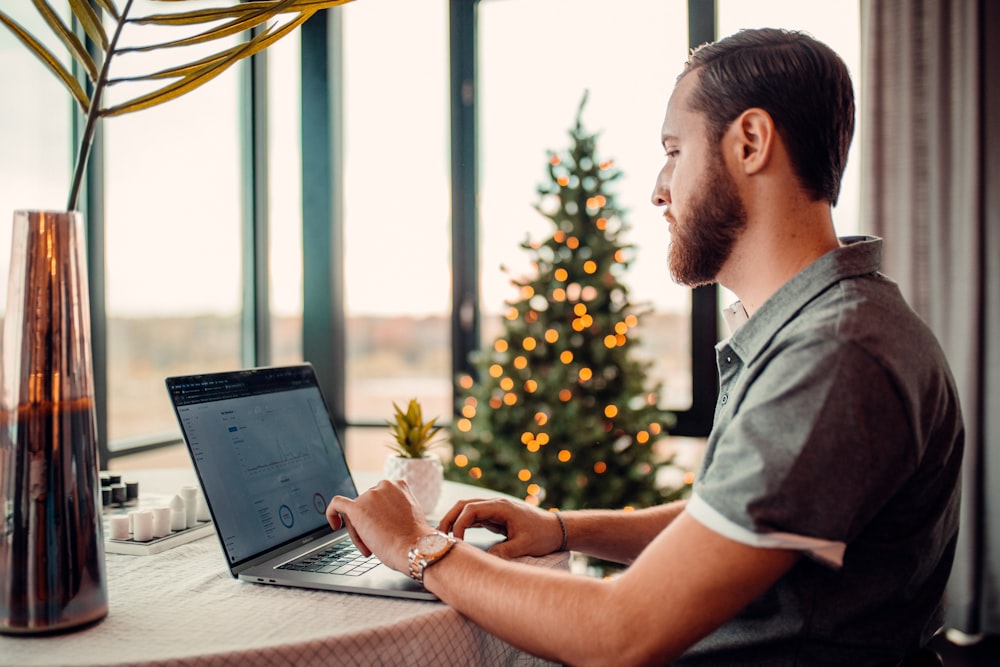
{"points": [[672, 153]]}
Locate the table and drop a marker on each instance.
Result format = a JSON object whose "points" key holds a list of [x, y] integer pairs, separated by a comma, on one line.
{"points": [[182, 608]]}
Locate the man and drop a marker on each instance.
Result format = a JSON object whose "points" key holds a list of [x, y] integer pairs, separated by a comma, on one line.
{"points": [[822, 523]]}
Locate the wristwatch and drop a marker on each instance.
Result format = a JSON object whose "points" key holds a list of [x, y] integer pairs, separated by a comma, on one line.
{"points": [[428, 550]]}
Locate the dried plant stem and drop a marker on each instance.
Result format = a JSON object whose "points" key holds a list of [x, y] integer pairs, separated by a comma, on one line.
{"points": [[94, 114]]}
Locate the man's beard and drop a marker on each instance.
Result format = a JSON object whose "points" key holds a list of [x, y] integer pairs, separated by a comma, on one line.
{"points": [[702, 243]]}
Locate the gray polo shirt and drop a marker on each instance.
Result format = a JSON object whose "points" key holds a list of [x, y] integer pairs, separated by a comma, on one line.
{"points": [[837, 432]]}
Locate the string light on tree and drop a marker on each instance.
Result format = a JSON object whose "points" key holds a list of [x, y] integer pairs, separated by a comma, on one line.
{"points": [[561, 414]]}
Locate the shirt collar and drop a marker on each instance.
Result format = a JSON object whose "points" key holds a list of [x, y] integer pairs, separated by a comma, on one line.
{"points": [[856, 256]]}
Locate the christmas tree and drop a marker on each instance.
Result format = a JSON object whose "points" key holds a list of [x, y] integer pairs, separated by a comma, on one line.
{"points": [[560, 414]]}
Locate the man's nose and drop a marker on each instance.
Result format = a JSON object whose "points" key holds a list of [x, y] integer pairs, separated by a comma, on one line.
{"points": [[661, 191]]}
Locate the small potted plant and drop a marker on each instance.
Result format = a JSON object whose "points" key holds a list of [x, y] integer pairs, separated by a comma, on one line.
{"points": [[411, 459]]}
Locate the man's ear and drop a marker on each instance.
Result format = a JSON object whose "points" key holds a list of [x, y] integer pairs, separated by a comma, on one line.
{"points": [[753, 137]]}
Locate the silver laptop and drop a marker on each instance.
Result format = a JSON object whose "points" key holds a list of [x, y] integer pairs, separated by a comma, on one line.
{"points": [[269, 461]]}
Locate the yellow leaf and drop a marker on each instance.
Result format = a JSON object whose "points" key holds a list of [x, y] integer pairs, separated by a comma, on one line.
{"points": [[90, 21], [68, 38], [206, 74], [49, 60]]}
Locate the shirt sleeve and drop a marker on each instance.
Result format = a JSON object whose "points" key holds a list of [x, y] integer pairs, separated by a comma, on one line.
{"points": [[814, 442]]}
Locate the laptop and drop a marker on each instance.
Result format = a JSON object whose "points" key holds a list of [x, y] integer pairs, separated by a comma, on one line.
{"points": [[269, 460]]}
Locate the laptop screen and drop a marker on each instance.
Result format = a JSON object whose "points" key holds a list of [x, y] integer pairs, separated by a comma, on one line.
{"points": [[265, 451]]}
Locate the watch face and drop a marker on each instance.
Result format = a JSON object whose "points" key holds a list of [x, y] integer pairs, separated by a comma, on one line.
{"points": [[432, 544]]}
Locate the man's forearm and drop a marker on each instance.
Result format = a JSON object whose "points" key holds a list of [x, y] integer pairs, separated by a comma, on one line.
{"points": [[616, 535]]}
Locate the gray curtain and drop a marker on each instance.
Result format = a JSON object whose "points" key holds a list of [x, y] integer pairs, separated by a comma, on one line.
{"points": [[930, 131]]}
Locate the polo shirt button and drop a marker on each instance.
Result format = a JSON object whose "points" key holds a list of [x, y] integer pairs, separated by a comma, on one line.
{"points": [[729, 360], [725, 398]]}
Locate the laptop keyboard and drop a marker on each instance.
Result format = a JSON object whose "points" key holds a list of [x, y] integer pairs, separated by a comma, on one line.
{"points": [[341, 558]]}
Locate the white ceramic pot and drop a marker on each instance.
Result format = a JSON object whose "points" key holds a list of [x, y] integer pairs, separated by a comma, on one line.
{"points": [[424, 476]]}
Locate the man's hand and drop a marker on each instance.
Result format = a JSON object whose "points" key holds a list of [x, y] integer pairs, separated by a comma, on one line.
{"points": [[529, 530], [385, 520]]}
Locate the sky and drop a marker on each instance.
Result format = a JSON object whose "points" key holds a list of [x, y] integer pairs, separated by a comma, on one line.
{"points": [[173, 202]]}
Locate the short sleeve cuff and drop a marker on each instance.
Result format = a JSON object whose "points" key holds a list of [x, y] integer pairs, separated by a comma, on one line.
{"points": [[825, 551]]}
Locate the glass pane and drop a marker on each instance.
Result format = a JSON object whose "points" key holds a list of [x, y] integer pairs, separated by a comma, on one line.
{"points": [[35, 123], [173, 241], [285, 194], [397, 208], [536, 59]]}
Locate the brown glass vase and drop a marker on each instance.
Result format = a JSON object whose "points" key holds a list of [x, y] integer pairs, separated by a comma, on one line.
{"points": [[52, 570]]}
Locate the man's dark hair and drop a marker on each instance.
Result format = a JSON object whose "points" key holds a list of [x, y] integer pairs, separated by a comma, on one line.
{"points": [[801, 82]]}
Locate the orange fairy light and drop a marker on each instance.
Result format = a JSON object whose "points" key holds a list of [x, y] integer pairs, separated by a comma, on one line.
{"points": [[621, 328], [520, 362], [551, 336], [655, 429], [469, 411], [642, 437], [506, 384], [559, 236], [524, 474], [563, 181], [689, 478], [533, 446], [530, 386], [631, 321], [461, 460], [611, 411], [580, 309], [541, 418], [590, 266], [601, 223], [610, 341], [466, 382], [565, 395], [500, 345], [620, 256], [464, 425], [561, 274], [620, 339], [565, 455], [496, 370], [509, 399], [476, 473], [559, 294], [572, 243], [511, 314], [527, 437], [495, 402], [566, 357], [600, 467], [585, 374], [533, 489], [529, 343], [527, 291], [554, 160]]}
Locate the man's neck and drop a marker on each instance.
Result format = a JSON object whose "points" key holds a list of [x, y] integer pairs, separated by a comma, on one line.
{"points": [[771, 252]]}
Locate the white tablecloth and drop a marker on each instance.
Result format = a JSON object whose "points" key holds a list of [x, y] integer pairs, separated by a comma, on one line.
{"points": [[182, 607]]}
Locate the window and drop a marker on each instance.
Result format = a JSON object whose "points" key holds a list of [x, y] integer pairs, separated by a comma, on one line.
{"points": [[396, 216], [176, 206], [626, 56]]}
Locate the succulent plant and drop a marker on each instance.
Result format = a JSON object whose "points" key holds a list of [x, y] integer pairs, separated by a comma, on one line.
{"points": [[413, 436]]}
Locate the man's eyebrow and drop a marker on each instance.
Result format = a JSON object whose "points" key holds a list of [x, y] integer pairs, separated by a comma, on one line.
{"points": [[664, 138]]}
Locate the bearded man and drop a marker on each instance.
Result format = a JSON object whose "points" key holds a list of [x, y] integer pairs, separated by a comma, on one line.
{"points": [[822, 522]]}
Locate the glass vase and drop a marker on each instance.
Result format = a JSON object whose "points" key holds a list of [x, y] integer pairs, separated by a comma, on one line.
{"points": [[52, 569]]}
